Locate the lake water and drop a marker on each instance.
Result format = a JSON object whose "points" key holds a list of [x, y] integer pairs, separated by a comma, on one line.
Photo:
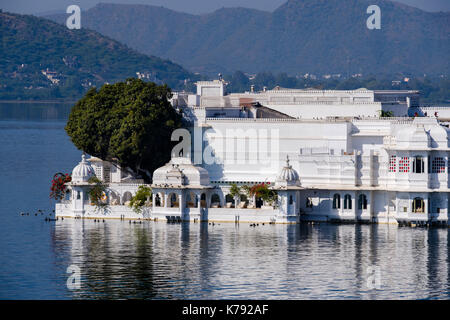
{"points": [[156, 260]]}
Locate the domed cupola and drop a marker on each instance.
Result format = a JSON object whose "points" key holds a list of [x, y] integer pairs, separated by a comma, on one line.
{"points": [[288, 176], [420, 138], [83, 171], [439, 136], [181, 171], [414, 136]]}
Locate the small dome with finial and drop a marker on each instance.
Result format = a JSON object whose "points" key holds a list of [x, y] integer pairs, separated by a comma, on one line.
{"points": [[181, 171], [83, 171], [288, 176]]}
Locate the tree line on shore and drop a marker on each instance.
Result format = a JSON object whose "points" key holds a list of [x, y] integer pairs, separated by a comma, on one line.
{"points": [[433, 89]]}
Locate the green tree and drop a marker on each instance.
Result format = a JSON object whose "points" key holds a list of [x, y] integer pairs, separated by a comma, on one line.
{"points": [[239, 82], [128, 123], [97, 192], [235, 191], [386, 114], [141, 198]]}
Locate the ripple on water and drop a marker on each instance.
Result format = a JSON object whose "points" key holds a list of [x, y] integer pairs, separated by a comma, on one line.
{"points": [[192, 261]]}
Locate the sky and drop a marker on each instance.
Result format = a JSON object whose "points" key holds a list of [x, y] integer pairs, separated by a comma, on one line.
{"points": [[190, 6]]}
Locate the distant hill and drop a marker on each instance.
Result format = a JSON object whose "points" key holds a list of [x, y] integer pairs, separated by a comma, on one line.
{"points": [[314, 36], [72, 60]]}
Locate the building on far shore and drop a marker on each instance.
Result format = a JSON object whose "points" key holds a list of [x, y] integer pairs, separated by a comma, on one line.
{"points": [[327, 153]]}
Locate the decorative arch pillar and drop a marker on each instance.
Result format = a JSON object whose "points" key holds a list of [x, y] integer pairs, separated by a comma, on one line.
{"points": [[166, 198], [78, 200], [181, 199]]}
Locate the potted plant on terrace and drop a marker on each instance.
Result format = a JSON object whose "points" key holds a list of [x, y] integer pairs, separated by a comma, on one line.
{"points": [[263, 192], [141, 199]]}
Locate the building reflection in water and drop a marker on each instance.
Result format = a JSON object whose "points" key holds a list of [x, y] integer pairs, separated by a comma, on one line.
{"points": [[201, 261]]}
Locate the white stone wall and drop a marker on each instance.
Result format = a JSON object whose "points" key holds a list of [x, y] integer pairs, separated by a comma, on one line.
{"points": [[92, 212], [322, 111], [259, 148]]}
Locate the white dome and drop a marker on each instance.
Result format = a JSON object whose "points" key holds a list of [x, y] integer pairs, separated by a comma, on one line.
{"points": [[83, 171], [288, 176], [413, 136], [439, 136], [181, 171]]}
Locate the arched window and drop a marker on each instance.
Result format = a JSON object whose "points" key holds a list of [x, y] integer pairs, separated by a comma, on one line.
{"points": [[362, 202], [418, 205], [215, 200], [203, 201], [157, 201], [229, 198], [291, 200], [173, 201], [336, 201], [347, 201], [191, 200], [126, 196], [418, 165]]}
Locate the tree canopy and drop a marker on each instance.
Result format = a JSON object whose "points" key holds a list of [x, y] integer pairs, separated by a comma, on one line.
{"points": [[128, 123]]}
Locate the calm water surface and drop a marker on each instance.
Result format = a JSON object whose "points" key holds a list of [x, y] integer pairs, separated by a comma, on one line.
{"points": [[189, 261]]}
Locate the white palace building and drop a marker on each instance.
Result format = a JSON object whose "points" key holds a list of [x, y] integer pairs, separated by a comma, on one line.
{"points": [[327, 153]]}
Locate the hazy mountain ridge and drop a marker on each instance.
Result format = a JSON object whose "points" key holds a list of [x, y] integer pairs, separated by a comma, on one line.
{"points": [[75, 59], [318, 36]]}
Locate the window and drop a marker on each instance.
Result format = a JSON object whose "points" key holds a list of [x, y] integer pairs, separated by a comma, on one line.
{"points": [[98, 172], [403, 164], [336, 201], [291, 200], [347, 201], [438, 165], [173, 201], [215, 200], [309, 203], [418, 165], [107, 174], [418, 205], [393, 164], [157, 201], [362, 202]]}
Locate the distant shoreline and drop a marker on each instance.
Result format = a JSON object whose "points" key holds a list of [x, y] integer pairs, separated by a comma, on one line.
{"points": [[38, 101]]}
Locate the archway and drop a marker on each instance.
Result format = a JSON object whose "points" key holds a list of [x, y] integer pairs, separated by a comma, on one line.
{"points": [[126, 197], [215, 201], [229, 200], [203, 200], [347, 202], [259, 202], [336, 201], [158, 200], [114, 198], [362, 202], [309, 203], [191, 200], [172, 201]]}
